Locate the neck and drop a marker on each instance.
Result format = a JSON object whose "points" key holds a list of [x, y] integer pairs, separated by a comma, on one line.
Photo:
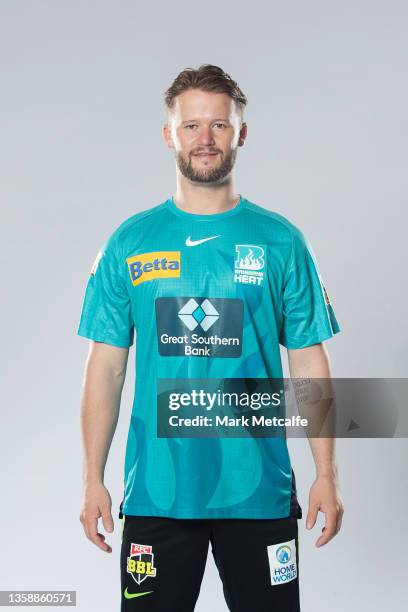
{"points": [[205, 199]]}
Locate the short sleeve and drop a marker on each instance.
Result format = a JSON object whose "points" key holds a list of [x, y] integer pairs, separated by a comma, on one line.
{"points": [[308, 316], [106, 310]]}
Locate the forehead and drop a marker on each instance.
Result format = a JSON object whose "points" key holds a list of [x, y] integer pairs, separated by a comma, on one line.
{"points": [[195, 103]]}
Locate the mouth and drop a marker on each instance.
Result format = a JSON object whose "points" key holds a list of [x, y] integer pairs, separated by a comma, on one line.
{"points": [[204, 155]]}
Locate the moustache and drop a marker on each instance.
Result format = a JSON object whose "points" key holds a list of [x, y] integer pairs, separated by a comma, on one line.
{"points": [[205, 151]]}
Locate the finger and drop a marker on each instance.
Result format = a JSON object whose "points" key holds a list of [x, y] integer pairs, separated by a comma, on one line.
{"points": [[91, 525], [339, 521], [329, 529], [100, 542], [95, 537], [84, 524]]}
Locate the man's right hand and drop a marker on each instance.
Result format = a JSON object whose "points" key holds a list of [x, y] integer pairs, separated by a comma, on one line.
{"points": [[97, 504]]}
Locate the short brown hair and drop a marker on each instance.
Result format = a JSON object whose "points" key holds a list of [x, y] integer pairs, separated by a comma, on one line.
{"points": [[207, 78]]}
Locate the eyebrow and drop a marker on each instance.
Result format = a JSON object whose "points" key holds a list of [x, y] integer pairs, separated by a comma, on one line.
{"points": [[192, 120]]}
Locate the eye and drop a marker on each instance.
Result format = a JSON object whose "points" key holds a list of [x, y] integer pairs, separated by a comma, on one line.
{"points": [[220, 125], [190, 125]]}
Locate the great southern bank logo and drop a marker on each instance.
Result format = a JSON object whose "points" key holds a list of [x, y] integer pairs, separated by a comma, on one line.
{"points": [[158, 264], [199, 326], [194, 314], [249, 264]]}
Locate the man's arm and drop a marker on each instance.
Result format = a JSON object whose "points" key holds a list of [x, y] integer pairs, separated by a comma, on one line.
{"points": [[105, 372], [313, 362]]}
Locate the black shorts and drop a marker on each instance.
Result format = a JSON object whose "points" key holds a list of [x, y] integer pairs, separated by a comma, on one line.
{"points": [[163, 562]]}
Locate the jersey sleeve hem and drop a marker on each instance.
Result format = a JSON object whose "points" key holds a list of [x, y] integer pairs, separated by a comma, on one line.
{"points": [[310, 341], [105, 338]]}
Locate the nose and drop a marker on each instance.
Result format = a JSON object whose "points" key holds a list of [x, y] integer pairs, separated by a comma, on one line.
{"points": [[206, 137]]}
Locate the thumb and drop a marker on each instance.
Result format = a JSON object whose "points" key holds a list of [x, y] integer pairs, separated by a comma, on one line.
{"points": [[311, 516], [107, 519]]}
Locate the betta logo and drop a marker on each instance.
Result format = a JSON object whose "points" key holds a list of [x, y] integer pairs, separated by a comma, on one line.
{"points": [[148, 266]]}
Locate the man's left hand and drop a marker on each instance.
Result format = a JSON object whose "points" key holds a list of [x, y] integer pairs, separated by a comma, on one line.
{"points": [[325, 497]]}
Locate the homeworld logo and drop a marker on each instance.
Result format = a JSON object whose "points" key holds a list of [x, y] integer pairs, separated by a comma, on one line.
{"points": [[194, 314], [249, 263], [282, 562]]}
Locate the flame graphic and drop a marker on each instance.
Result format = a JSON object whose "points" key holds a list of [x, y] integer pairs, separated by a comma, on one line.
{"points": [[250, 262]]}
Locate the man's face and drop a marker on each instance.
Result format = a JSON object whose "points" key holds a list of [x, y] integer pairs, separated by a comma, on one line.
{"points": [[205, 130]]}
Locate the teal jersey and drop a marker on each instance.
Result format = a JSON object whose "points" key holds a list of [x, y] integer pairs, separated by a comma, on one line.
{"points": [[207, 297]]}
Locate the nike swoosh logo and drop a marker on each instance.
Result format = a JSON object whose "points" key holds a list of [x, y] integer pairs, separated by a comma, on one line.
{"points": [[132, 595], [190, 242]]}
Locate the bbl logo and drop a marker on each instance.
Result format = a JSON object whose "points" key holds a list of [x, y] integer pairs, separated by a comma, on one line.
{"points": [[140, 563], [249, 264]]}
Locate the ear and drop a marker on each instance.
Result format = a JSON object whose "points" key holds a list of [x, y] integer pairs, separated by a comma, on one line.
{"points": [[166, 132], [242, 134]]}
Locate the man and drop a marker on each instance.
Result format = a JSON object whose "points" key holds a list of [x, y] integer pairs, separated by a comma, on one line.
{"points": [[212, 284]]}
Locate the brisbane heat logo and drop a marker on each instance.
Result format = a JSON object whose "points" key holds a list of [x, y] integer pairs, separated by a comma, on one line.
{"points": [[249, 264], [149, 266], [140, 563]]}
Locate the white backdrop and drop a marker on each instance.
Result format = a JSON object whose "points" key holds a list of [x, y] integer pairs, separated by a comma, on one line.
{"points": [[81, 150]]}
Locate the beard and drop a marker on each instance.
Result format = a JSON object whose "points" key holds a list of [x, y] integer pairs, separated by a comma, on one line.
{"points": [[210, 175]]}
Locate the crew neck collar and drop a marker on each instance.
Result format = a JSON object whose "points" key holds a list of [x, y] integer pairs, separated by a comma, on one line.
{"points": [[211, 217]]}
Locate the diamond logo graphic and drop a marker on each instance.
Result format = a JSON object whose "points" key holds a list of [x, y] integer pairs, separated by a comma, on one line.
{"points": [[194, 314]]}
